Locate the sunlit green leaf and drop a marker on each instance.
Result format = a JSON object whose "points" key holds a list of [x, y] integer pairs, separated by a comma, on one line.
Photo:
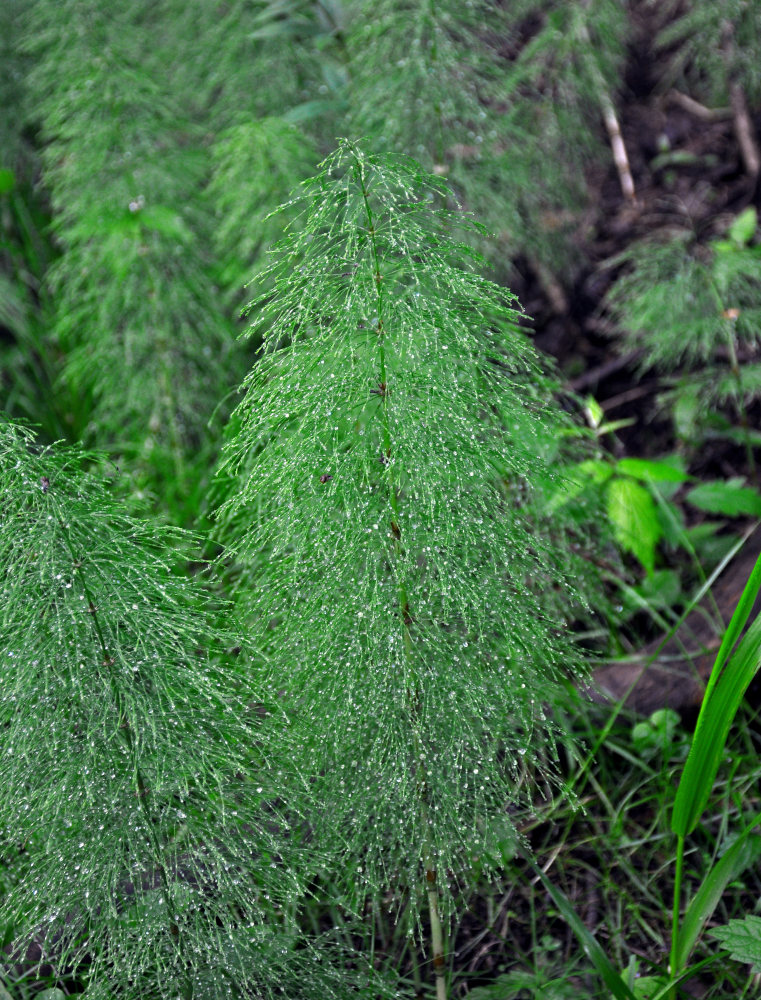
{"points": [[634, 517]]}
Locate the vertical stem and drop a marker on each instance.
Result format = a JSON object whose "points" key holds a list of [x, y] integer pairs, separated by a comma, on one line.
{"points": [[437, 931], [744, 131], [674, 960], [413, 692], [617, 145], [434, 49]]}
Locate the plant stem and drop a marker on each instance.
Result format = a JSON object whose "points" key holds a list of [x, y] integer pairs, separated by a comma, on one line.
{"points": [[434, 50], [674, 960], [618, 148], [414, 691]]}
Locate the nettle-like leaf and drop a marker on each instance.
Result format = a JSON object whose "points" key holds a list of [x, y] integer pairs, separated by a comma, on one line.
{"points": [[384, 561], [634, 517], [742, 939], [142, 787]]}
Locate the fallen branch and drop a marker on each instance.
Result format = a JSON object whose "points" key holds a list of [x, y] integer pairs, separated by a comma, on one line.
{"points": [[744, 131]]}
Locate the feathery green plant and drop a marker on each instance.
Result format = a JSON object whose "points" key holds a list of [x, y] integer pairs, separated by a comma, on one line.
{"points": [[694, 309], [411, 90], [383, 560], [715, 46], [256, 166], [27, 369], [146, 340], [501, 122], [142, 787]]}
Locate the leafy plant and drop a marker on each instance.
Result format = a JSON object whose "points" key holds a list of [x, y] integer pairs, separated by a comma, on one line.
{"points": [[693, 311], [149, 850], [499, 123], [714, 48], [256, 166], [659, 735], [382, 565], [147, 348], [742, 939], [737, 662]]}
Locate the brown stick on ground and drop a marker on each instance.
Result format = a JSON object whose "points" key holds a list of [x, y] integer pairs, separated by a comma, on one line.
{"points": [[744, 131], [675, 678]]}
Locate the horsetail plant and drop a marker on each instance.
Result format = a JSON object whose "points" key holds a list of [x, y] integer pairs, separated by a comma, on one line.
{"points": [[136, 314], [385, 564], [139, 824]]}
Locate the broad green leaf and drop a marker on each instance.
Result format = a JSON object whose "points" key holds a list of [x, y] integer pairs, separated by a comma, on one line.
{"points": [[52, 994], [591, 948], [743, 228], [594, 411], [7, 180], [744, 852], [742, 939], [730, 498], [646, 987], [635, 519], [649, 471], [720, 703]]}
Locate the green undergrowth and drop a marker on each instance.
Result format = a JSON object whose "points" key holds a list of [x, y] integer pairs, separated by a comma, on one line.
{"points": [[335, 740]]}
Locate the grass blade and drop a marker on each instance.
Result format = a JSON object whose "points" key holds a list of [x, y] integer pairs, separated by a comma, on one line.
{"points": [[588, 942], [743, 853], [726, 687]]}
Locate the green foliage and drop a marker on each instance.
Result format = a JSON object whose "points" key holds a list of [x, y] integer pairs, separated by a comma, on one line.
{"points": [[742, 939], [730, 676], [659, 735], [423, 43], [410, 518], [536, 984], [148, 348], [256, 166], [382, 564], [629, 489], [729, 497], [501, 122], [14, 149], [714, 46], [693, 309], [143, 811], [635, 519]]}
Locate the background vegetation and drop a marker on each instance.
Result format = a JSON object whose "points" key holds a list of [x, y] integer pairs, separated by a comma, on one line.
{"points": [[207, 762]]}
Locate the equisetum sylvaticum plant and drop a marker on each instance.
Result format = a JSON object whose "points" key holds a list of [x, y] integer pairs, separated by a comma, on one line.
{"points": [[378, 541], [142, 845]]}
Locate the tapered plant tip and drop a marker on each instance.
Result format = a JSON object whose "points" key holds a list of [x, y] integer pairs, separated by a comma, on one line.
{"points": [[384, 559]]}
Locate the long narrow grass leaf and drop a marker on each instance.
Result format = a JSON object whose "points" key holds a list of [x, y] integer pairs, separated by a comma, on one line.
{"points": [[744, 852], [588, 942], [720, 704]]}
